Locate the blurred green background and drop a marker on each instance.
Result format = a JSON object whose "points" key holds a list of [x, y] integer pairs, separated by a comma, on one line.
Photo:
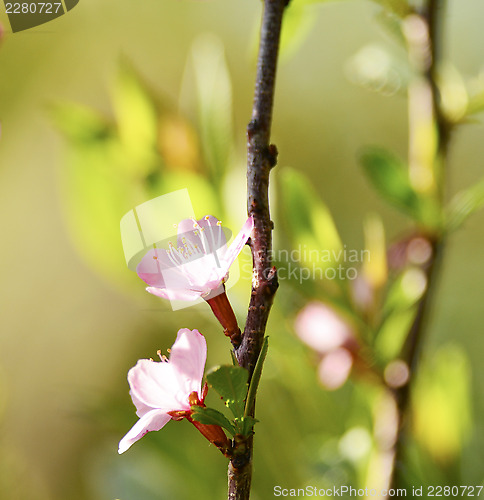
{"points": [[114, 104]]}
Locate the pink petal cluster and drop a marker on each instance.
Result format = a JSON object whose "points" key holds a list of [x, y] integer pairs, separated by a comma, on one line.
{"points": [[323, 329], [199, 263], [158, 388]]}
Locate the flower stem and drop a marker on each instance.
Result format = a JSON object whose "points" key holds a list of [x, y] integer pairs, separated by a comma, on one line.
{"points": [[261, 157], [214, 434], [223, 311]]}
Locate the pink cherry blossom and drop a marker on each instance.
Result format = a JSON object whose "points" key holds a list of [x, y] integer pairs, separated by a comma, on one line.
{"points": [[335, 367], [159, 388], [199, 263], [328, 333], [322, 328]]}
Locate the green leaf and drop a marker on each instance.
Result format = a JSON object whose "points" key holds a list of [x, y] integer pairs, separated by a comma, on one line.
{"points": [[464, 204], [80, 124], [245, 425], [136, 119], [254, 381], [392, 333], [96, 187], [442, 407], [298, 23], [389, 176], [210, 416], [476, 103], [231, 383], [309, 221], [214, 92]]}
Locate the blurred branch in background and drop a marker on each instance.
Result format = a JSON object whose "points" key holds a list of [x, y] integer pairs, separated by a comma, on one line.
{"points": [[428, 143]]}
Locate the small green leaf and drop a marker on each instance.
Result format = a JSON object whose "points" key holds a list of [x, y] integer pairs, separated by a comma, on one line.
{"points": [[254, 382], [245, 425], [233, 358], [210, 416], [80, 124], [231, 383], [136, 118], [390, 178], [298, 23], [464, 204]]}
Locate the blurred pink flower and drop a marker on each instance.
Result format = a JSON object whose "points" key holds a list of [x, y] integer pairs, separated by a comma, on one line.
{"points": [[198, 265], [159, 388], [334, 369], [323, 329]]}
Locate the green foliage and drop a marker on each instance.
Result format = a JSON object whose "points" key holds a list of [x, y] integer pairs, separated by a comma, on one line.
{"points": [[254, 382], [389, 176], [476, 103], [98, 186], [231, 383], [246, 425], [148, 151], [209, 416], [298, 23], [442, 402], [400, 8], [309, 222], [81, 125], [464, 204], [113, 166], [136, 121], [214, 92]]}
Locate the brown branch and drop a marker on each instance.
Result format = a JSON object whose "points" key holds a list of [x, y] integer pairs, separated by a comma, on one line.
{"points": [[424, 53], [261, 157]]}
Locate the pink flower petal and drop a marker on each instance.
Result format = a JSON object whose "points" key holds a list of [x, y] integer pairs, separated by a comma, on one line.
{"points": [[239, 241], [150, 269], [174, 294], [151, 421], [335, 368], [141, 408], [155, 384], [321, 327], [188, 357], [197, 266]]}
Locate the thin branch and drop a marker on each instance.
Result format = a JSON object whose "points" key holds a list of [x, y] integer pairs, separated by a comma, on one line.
{"points": [[261, 157], [424, 44]]}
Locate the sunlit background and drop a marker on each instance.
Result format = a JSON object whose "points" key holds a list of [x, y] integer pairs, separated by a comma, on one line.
{"points": [[118, 102]]}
